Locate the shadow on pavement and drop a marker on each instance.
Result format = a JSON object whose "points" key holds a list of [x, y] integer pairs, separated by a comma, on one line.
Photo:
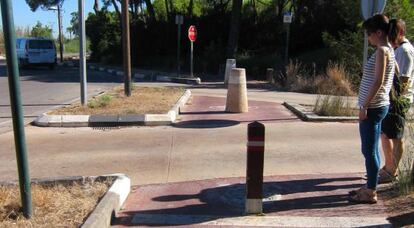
{"points": [[309, 197], [402, 220], [206, 124]]}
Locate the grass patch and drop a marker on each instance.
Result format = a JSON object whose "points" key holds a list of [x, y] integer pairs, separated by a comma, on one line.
{"points": [[100, 102], [72, 46], [53, 206], [143, 100], [405, 181], [334, 81], [333, 106]]}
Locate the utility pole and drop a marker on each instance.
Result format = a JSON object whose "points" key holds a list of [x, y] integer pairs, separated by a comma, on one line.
{"points": [[16, 106], [126, 45], [82, 52], [179, 19], [60, 31]]}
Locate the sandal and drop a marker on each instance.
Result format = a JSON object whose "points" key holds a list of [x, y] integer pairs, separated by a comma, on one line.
{"points": [[354, 192], [363, 196], [385, 177]]}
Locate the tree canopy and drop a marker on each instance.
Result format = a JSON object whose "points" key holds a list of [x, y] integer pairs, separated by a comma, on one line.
{"points": [[45, 4], [41, 31]]}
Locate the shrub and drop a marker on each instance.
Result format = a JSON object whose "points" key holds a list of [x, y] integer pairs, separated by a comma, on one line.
{"points": [[289, 79], [333, 82], [336, 82], [333, 106], [100, 102]]}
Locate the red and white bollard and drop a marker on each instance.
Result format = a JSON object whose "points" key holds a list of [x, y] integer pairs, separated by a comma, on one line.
{"points": [[255, 163]]}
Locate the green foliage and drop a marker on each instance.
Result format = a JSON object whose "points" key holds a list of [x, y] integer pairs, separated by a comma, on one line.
{"points": [[319, 28], [403, 9], [348, 50], [104, 32], [72, 45], [45, 4], [41, 31], [74, 24], [101, 101]]}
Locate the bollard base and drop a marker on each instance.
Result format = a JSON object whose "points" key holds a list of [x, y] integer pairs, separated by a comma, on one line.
{"points": [[254, 206]]}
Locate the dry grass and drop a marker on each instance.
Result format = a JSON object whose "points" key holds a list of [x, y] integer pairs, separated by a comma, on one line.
{"points": [[53, 206], [335, 81], [334, 106], [143, 100]]}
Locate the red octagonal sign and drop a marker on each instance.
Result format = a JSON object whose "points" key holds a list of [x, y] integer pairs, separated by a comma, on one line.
{"points": [[192, 33]]}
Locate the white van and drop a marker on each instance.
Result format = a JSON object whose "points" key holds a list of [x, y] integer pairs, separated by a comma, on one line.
{"points": [[36, 51]]}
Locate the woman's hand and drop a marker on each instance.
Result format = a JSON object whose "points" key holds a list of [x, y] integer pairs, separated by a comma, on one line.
{"points": [[362, 114]]}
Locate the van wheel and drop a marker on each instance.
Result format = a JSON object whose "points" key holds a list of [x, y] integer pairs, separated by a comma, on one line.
{"points": [[22, 64], [52, 66]]}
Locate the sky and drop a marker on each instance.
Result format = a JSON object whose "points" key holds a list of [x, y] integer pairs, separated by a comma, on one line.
{"points": [[24, 17]]}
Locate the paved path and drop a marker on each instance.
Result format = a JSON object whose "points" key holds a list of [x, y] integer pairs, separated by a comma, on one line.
{"points": [[210, 111], [289, 201], [168, 164]]}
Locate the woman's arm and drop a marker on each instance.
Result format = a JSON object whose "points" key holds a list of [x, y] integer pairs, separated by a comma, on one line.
{"points": [[380, 65]]}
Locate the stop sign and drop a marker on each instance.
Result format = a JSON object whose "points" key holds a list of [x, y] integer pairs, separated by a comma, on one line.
{"points": [[192, 33]]}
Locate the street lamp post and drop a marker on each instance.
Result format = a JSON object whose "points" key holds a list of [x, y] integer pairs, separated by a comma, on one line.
{"points": [[59, 12]]}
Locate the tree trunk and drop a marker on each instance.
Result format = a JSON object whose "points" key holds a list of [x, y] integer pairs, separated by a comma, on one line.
{"points": [[190, 8], [234, 29], [96, 6], [151, 10], [117, 10], [167, 10]]}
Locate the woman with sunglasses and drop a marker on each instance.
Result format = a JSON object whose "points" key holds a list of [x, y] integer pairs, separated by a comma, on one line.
{"points": [[373, 102]]}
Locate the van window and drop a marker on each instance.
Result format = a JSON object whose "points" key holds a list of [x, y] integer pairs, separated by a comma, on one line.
{"points": [[18, 41], [40, 44]]}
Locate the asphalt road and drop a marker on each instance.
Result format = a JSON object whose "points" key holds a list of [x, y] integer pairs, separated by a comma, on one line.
{"points": [[43, 89]]}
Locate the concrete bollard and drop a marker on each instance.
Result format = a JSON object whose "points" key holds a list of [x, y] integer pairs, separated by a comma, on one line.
{"points": [[254, 170], [269, 75], [237, 92], [230, 64]]}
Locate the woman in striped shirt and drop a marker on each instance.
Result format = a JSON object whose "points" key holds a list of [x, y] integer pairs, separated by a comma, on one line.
{"points": [[374, 102]]}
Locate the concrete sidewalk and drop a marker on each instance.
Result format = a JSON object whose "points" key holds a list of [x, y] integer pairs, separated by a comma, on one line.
{"points": [[289, 201]]}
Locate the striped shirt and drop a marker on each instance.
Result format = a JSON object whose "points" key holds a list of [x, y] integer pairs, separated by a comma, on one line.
{"points": [[382, 97]]}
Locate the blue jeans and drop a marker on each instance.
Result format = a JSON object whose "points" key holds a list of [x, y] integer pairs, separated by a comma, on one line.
{"points": [[370, 131]]}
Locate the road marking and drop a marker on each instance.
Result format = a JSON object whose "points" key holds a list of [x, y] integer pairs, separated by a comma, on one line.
{"points": [[222, 107]]}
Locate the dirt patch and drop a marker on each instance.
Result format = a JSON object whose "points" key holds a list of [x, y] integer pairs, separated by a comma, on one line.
{"points": [[143, 100], [53, 206], [399, 207]]}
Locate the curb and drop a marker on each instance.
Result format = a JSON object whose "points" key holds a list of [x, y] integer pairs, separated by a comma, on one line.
{"points": [[301, 112], [110, 204], [106, 208], [158, 77], [46, 120]]}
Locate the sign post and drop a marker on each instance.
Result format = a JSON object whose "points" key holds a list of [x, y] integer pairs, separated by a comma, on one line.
{"points": [[179, 19], [16, 106], [192, 36], [82, 52], [368, 9], [287, 20]]}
